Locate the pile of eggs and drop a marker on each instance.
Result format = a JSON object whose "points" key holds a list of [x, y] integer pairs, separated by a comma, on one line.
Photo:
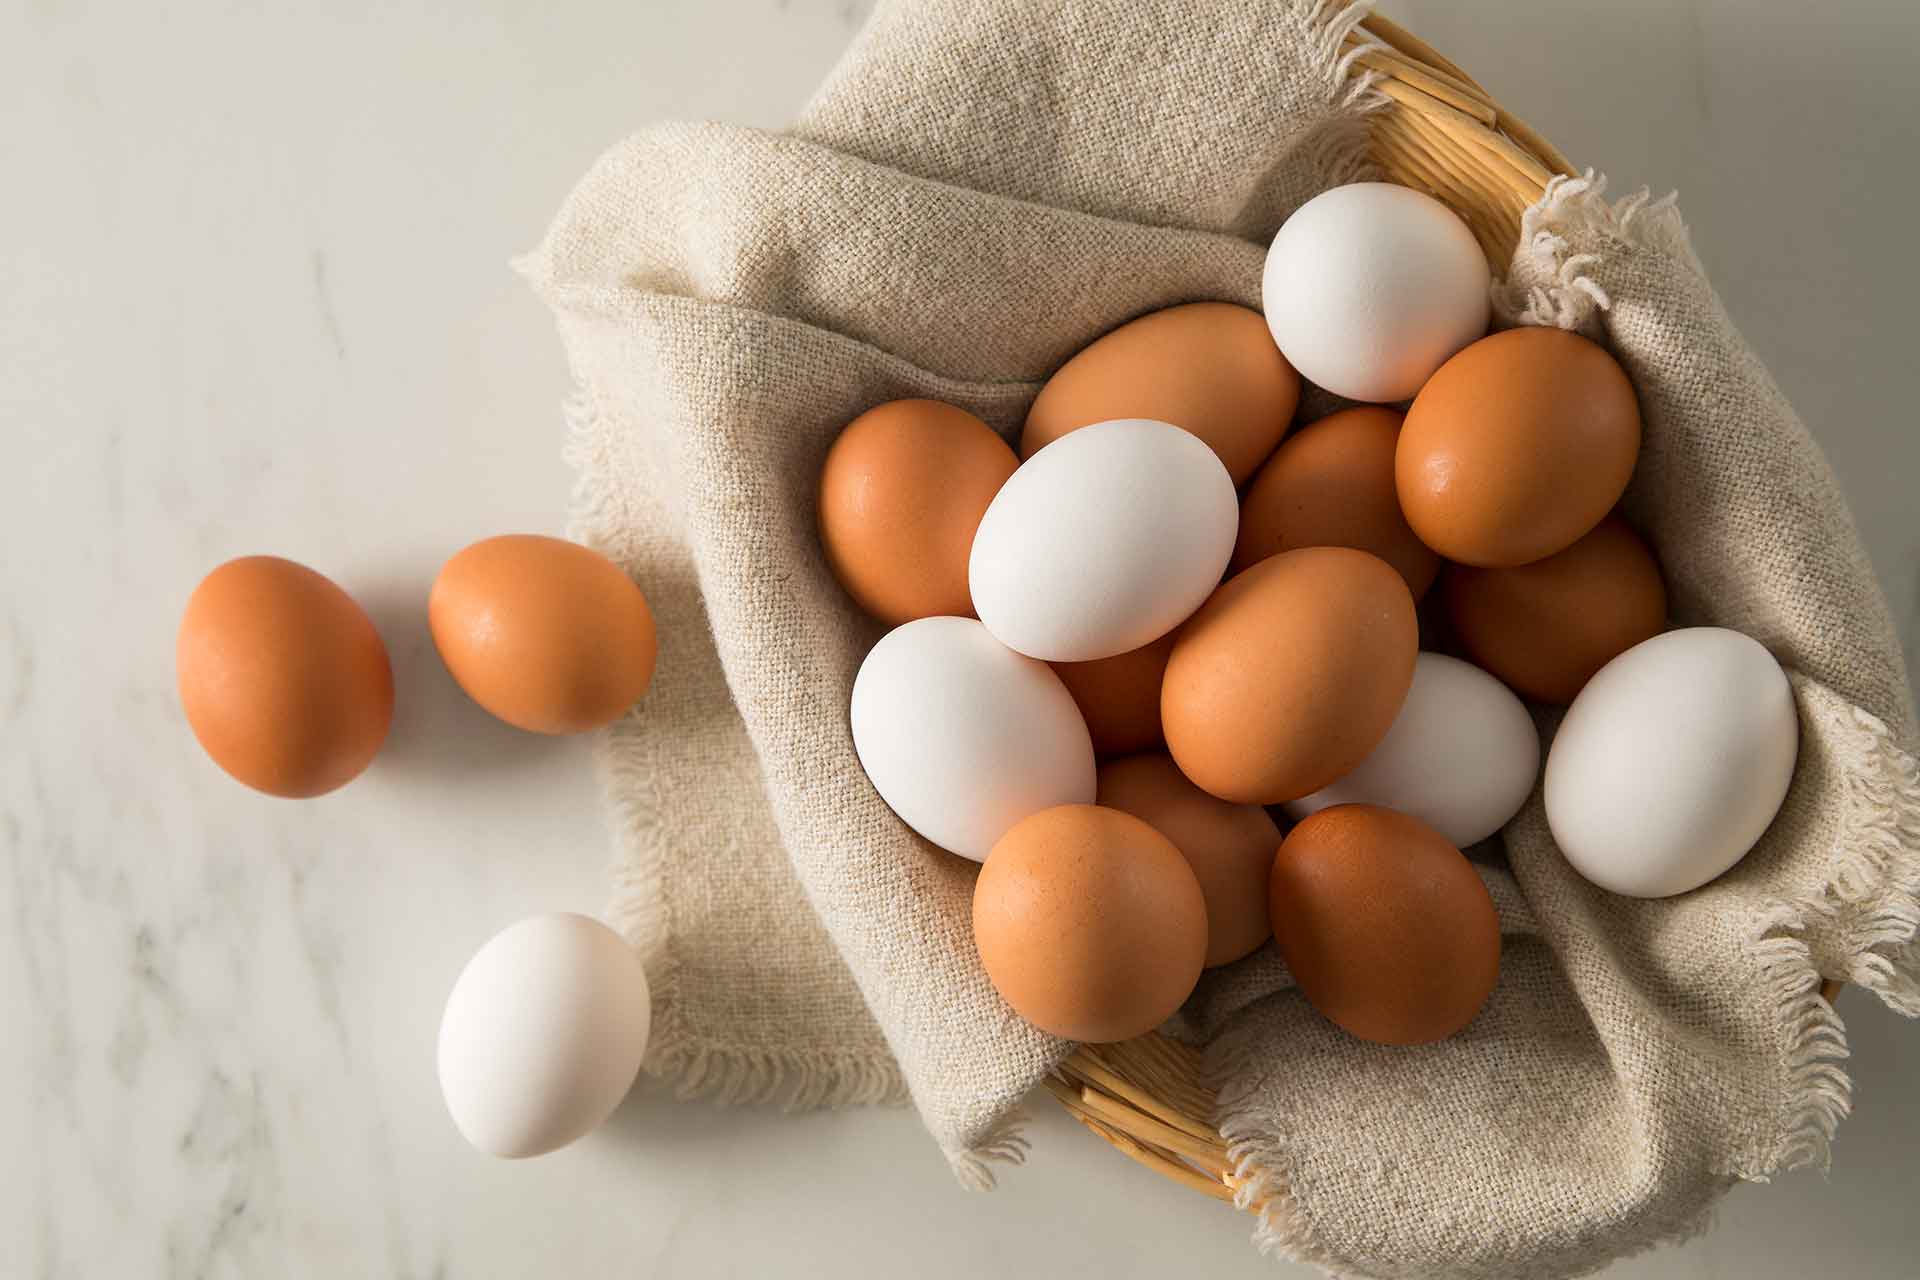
{"points": [[1123, 660]]}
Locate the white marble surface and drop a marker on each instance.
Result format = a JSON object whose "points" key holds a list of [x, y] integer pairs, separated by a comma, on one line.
{"points": [[253, 297]]}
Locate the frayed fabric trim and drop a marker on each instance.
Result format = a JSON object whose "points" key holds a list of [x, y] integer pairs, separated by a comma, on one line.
{"points": [[1004, 1143], [1872, 902], [1564, 295], [1818, 1093], [642, 911], [1339, 151], [1263, 1186], [797, 1079], [1876, 882]]}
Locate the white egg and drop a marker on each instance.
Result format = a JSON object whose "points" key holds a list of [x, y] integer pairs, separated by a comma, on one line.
{"points": [[1371, 287], [1103, 541], [963, 737], [1461, 756], [1672, 762], [543, 1034]]}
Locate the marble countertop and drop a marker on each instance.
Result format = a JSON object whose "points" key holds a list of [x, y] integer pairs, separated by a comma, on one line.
{"points": [[254, 297]]}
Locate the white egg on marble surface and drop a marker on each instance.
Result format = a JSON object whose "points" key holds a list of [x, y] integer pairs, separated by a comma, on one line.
{"points": [[1103, 541], [1370, 287], [543, 1034], [963, 737], [1672, 762], [1461, 756]]}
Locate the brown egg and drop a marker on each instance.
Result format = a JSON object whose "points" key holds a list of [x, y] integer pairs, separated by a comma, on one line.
{"points": [[1289, 674], [901, 493], [1546, 627], [283, 677], [1208, 367], [1090, 923], [1120, 696], [547, 635], [1516, 447], [1331, 485], [1386, 927], [1229, 846]]}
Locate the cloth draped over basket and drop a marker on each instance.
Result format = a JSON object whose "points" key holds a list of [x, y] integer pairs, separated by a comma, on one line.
{"points": [[980, 189]]}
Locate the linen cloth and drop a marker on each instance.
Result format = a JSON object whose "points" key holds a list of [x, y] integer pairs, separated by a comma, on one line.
{"points": [[980, 189]]}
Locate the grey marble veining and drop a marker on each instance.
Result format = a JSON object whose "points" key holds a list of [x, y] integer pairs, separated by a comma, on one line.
{"points": [[254, 298]]}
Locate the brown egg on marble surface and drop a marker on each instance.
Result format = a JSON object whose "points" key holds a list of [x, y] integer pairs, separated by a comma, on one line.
{"points": [[283, 678], [901, 494], [1516, 447], [1387, 928], [1545, 628], [1119, 697], [1090, 923], [1331, 484], [546, 634], [1289, 674], [1229, 846], [1207, 367]]}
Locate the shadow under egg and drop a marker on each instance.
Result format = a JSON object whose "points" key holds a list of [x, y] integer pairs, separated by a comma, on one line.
{"points": [[437, 729]]}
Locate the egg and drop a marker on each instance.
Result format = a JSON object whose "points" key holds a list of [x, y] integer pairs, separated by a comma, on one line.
{"points": [[1229, 846], [1090, 924], [1332, 485], [1370, 287], [546, 634], [283, 678], [1387, 928], [1290, 674], [1517, 447], [1208, 367], [1120, 696], [1461, 756], [1672, 762], [962, 737], [1103, 541], [901, 493], [543, 1035], [1546, 627]]}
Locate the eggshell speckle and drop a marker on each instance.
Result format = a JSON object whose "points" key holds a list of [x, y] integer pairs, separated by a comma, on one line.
{"points": [[1517, 447], [1332, 485], [546, 634], [1090, 923], [1208, 367], [962, 737], [901, 494], [1369, 287], [1386, 927], [1461, 756], [1672, 762], [1103, 541], [1546, 627], [1229, 846], [283, 678], [1290, 674], [543, 1035]]}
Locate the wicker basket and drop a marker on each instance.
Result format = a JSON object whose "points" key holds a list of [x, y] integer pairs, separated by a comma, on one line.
{"points": [[1443, 134]]}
